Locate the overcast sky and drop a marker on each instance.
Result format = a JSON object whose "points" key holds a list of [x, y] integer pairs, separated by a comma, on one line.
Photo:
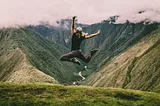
{"points": [[26, 12]]}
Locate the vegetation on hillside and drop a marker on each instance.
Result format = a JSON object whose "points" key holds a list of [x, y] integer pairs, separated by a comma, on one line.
{"points": [[136, 68], [58, 95], [22, 46], [113, 40]]}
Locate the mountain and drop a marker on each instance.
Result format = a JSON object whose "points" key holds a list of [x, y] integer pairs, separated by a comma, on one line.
{"points": [[113, 43], [137, 67], [25, 56], [113, 40], [60, 33]]}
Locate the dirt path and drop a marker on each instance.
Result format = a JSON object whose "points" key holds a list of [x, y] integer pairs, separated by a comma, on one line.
{"points": [[80, 74], [83, 78]]}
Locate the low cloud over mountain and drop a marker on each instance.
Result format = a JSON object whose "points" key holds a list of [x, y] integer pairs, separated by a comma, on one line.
{"points": [[24, 12]]}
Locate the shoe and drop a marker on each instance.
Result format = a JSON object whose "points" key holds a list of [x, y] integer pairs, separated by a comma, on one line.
{"points": [[74, 60], [93, 51]]}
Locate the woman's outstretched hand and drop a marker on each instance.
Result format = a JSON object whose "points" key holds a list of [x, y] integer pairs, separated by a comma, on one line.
{"points": [[74, 17], [98, 32]]}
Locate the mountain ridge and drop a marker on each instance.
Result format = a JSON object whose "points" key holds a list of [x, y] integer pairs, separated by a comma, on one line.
{"points": [[125, 69], [115, 40], [40, 53]]}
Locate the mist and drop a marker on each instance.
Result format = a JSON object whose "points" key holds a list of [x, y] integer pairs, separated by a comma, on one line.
{"points": [[34, 12]]}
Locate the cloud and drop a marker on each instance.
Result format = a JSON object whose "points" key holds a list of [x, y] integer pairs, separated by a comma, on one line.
{"points": [[24, 12], [146, 15]]}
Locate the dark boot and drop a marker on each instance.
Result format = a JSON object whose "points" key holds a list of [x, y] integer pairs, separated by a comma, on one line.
{"points": [[93, 52]]}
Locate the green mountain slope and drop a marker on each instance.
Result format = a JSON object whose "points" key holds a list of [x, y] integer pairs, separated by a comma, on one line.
{"points": [[57, 95], [27, 57], [60, 33], [113, 40], [135, 68]]}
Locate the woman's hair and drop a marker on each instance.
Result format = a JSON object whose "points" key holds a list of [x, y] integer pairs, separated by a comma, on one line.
{"points": [[79, 30]]}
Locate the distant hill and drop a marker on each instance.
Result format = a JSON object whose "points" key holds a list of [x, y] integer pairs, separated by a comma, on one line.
{"points": [[113, 43], [25, 56], [137, 67], [60, 33], [113, 40]]}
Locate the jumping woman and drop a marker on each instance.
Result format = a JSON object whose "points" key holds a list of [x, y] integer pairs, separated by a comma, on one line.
{"points": [[77, 37]]}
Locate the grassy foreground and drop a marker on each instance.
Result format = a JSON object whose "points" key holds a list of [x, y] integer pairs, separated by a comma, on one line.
{"points": [[58, 95]]}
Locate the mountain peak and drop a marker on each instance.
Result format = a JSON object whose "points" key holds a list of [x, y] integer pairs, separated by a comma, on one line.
{"points": [[27, 53]]}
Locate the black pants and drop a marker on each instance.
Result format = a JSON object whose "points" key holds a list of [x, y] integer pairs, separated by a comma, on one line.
{"points": [[76, 54]]}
